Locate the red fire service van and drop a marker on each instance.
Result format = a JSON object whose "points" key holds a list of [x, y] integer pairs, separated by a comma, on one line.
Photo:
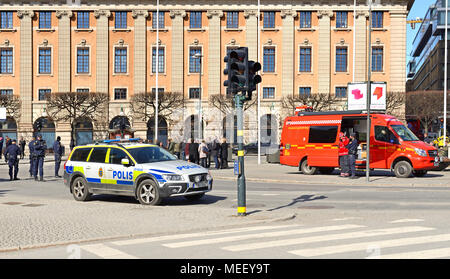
{"points": [[310, 141]]}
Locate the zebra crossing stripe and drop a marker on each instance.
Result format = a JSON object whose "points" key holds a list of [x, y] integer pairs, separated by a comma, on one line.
{"points": [[424, 254], [106, 252], [200, 234], [362, 246], [321, 238], [259, 235]]}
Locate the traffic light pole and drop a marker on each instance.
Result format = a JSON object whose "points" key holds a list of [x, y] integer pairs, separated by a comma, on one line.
{"points": [[242, 209]]}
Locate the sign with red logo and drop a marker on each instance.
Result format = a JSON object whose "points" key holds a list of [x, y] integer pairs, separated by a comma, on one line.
{"points": [[357, 96]]}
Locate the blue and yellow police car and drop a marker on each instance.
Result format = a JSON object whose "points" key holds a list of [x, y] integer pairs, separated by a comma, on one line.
{"points": [[130, 168]]}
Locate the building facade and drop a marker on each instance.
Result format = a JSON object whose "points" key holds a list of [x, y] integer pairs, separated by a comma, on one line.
{"points": [[102, 46]]}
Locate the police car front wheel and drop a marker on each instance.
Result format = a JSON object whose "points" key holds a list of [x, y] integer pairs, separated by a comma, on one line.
{"points": [[148, 193], [79, 189]]}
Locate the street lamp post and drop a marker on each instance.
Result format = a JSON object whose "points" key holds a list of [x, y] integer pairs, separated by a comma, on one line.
{"points": [[199, 57]]}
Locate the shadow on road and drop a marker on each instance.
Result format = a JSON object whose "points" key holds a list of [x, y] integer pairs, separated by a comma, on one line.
{"points": [[207, 199], [304, 198]]}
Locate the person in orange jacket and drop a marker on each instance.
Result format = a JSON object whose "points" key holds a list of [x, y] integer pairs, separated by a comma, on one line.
{"points": [[343, 155]]}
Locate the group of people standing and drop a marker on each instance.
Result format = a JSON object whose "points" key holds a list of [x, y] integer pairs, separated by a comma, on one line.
{"points": [[348, 150], [201, 152]]}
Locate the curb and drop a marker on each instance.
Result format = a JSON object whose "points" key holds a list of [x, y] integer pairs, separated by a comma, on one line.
{"points": [[118, 237]]}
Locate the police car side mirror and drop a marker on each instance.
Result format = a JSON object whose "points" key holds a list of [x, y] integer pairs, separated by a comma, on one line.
{"points": [[125, 162]]}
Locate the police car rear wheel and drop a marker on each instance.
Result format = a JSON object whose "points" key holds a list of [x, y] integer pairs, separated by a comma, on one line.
{"points": [[79, 189], [148, 193]]}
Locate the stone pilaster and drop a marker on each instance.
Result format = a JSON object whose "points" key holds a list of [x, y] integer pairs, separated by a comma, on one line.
{"points": [[397, 51], [214, 53], [287, 52], [26, 72], [324, 57], [64, 69], [251, 33], [140, 50], [102, 57], [177, 50], [360, 47]]}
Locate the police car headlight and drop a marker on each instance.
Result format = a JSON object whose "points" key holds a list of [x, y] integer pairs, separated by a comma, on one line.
{"points": [[198, 178], [173, 177], [420, 152], [209, 177]]}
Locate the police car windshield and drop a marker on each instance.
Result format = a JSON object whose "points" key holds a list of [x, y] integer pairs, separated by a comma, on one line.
{"points": [[404, 133], [150, 154]]}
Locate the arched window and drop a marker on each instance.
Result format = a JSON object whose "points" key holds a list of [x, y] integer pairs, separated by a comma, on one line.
{"points": [[83, 131], [8, 127], [162, 130], [45, 127], [120, 126]]}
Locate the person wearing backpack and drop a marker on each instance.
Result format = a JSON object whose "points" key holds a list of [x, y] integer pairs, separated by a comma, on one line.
{"points": [[203, 153]]}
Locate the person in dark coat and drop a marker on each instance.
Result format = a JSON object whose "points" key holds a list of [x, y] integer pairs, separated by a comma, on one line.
{"points": [[1, 146], [12, 155], [39, 152], [193, 152], [224, 154], [32, 158], [58, 151], [352, 148], [215, 146], [22, 144]]}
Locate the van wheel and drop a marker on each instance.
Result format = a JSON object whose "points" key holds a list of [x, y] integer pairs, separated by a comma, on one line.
{"points": [[307, 169], [148, 193], [79, 189], [403, 169], [419, 173]]}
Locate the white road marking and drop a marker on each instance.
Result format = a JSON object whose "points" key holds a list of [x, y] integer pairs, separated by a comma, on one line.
{"points": [[362, 246], [406, 221], [106, 252], [424, 254], [259, 235], [330, 237]]}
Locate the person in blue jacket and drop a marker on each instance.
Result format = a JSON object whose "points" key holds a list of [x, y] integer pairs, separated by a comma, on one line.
{"points": [[352, 147], [39, 154], [58, 151], [12, 155]]}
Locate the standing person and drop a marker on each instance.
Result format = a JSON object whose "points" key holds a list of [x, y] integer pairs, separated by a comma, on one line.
{"points": [[176, 149], [171, 146], [32, 158], [203, 153], [22, 144], [186, 150], [7, 141], [343, 154], [1, 146], [58, 151], [12, 154], [352, 147], [224, 154], [39, 151], [72, 144], [193, 152], [182, 153], [215, 146]]}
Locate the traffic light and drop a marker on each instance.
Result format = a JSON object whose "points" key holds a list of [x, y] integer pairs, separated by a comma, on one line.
{"points": [[252, 78], [237, 71]]}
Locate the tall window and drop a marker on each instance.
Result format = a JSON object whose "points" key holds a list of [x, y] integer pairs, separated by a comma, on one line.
{"points": [[160, 21], [269, 59], [82, 60], [120, 20], [269, 20], [6, 61], [377, 19], [341, 92], [82, 20], [194, 62], [43, 93], [232, 19], [305, 19], [120, 60], [377, 59], [269, 93], [341, 59], [194, 93], [120, 94], [6, 92], [45, 20], [341, 19], [304, 91], [195, 20], [305, 59], [160, 60], [45, 60], [6, 20]]}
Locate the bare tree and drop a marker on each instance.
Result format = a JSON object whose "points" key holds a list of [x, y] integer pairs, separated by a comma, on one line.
{"points": [[143, 105], [394, 101], [71, 106], [425, 105], [12, 104], [318, 101], [227, 105]]}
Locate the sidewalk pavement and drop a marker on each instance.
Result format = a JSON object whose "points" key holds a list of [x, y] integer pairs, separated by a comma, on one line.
{"points": [[26, 159], [276, 173]]}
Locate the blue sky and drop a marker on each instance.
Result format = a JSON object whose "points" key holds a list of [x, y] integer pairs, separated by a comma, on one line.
{"points": [[419, 8]]}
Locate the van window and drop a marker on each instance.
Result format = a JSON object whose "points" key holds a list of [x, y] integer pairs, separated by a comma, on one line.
{"points": [[382, 133], [98, 155], [80, 154], [322, 134], [404, 133]]}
